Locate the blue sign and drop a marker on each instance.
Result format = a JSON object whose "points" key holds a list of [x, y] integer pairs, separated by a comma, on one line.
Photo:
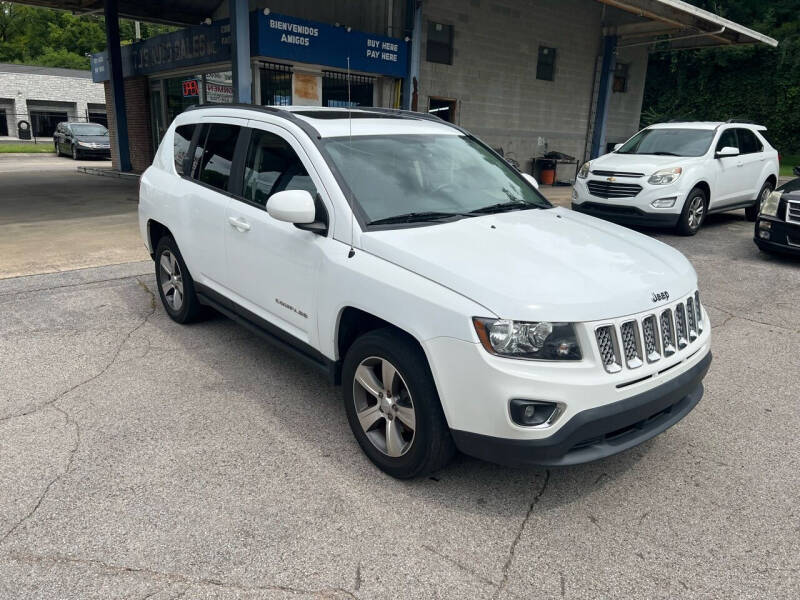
{"points": [[188, 47], [271, 36], [290, 38]]}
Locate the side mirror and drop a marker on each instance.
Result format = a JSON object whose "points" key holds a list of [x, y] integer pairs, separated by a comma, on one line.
{"points": [[292, 206], [531, 179], [617, 147], [727, 151]]}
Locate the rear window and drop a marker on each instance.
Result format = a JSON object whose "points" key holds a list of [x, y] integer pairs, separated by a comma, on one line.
{"points": [[215, 166], [183, 139]]}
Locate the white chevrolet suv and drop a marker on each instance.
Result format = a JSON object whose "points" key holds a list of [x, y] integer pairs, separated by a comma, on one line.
{"points": [[674, 174], [411, 264]]}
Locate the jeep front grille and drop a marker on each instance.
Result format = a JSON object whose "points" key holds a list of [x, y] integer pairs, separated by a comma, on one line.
{"points": [[607, 344], [649, 337]]}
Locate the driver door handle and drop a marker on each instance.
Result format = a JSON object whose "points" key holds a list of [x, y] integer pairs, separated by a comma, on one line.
{"points": [[239, 224]]}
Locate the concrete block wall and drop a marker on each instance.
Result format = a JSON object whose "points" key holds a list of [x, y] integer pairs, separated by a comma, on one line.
{"points": [[137, 104], [493, 75], [625, 109]]}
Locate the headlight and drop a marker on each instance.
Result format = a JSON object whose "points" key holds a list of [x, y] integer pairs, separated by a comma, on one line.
{"points": [[665, 176], [522, 339], [584, 172], [84, 144], [770, 206]]}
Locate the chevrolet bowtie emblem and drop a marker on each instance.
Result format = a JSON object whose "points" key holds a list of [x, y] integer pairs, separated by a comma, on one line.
{"points": [[611, 179]]}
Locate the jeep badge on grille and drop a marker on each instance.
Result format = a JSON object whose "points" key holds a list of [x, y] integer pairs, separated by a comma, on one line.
{"points": [[659, 296]]}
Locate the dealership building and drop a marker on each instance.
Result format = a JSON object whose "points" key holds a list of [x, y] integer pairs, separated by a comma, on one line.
{"points": [[42, 97], [529, 77]]}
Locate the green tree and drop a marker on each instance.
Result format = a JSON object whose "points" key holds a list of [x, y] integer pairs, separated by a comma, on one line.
{"points": [[40, 36], [747, 82]]}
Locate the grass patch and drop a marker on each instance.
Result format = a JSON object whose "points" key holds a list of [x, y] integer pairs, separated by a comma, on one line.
{"points": [[789, 162], [9, 147]]}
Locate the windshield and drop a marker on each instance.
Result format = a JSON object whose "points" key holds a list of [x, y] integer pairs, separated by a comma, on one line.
{"points": [[88, 129], [430, 176], [669, 142]]}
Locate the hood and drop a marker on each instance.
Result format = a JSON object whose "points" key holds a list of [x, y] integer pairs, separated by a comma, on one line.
{"points": [[641, 163], [97, 139], [551, 264]]}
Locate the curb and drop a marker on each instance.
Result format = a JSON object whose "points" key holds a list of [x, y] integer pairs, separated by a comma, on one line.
{"points": [[108, 172]]}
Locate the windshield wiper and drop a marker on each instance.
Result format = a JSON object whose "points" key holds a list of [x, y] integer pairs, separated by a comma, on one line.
{"points": [[665, 154], [417, 217], [503, 207]]}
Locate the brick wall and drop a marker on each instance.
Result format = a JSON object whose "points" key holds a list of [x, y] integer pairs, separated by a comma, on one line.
{"points": [[137, 104]]}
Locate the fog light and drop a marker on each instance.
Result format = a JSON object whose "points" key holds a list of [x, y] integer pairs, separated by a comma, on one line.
{"points": [[764, 228], [664, 202], [530, 413]]}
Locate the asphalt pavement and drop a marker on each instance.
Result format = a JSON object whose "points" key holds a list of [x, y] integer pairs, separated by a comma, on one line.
{"points": [[144, 459]]}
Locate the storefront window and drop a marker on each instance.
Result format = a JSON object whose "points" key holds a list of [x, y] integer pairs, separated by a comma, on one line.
{"points": [[276, 84], [335, 93], [181, 93], [218, 88]]}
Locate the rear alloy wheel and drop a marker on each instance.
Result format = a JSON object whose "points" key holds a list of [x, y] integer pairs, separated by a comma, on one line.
{"points": [[751, 212], [393, 406], [693, 213]]}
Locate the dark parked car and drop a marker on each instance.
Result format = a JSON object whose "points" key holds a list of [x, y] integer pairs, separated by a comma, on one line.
{"points": [[778, 221], [82, 139]]}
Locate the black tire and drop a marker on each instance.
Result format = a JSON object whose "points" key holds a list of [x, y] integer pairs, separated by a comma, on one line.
{"points": [[189, 308], [689, 223], [751, 212], [431, 446], [74, 152], [58, 150]]}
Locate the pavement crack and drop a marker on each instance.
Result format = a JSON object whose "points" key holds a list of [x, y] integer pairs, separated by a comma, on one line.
{"points": [[730, 315], [513, 549], [70, 460], [458, 564], [103, 371], [173, 577]]}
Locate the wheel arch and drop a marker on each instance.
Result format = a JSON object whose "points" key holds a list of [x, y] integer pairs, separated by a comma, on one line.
{"points": [[155, 231], [353, 323], [703, 185]]}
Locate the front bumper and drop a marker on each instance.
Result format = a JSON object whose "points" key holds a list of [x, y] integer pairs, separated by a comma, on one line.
{"points": [[93, 151], [598, 432], [637, 211], [627, 215], [783, 237]]}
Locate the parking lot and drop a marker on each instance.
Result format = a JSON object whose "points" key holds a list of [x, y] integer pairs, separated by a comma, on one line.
{"points": [[143, 459]]}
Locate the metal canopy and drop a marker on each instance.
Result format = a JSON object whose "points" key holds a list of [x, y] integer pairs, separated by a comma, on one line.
{"points": [[676, 25], [175, 12]]}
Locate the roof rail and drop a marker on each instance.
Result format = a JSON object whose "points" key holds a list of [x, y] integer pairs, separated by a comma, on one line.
{"points": [[743, 121], [278, 112], [410, 114]]}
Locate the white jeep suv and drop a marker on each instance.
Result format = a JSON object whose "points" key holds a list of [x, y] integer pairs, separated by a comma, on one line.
{"points": [[674, 174], [410, 263]]}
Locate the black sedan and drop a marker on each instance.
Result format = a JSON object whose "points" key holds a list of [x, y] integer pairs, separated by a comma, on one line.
{"points": [[778, 222], [82, 139]]}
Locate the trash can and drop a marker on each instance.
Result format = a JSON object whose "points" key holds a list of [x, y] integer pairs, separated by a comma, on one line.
{"points": [[24, 130], [547, 172]]}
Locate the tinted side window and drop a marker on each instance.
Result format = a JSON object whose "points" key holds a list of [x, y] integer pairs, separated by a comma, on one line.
{"points": [[728, 138], [215, 166], [748, 142], [272, 166], [183, 139]]}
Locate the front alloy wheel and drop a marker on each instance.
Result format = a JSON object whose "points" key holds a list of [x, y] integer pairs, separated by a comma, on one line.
{"points": [[693, 213], [392, 404], [74, 152], [384, 406]]}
